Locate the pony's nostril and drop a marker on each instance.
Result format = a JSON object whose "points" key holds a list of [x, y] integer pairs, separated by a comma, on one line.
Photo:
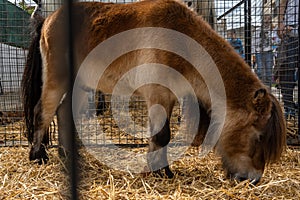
{"points": [[237, 177], [240, 178], [253, 181]]}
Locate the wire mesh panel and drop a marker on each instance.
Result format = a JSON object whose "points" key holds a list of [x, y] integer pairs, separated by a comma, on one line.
{"points": [[124, 125], [14, 40], [287, 62], [251, 27]]}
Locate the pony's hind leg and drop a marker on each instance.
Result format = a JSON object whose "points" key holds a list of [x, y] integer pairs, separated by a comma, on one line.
{"points": [[55, 79], [44, 112], [65, 124], [38, 151]]}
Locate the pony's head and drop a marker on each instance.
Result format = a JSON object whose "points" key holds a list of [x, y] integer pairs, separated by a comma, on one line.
{"points": [[252, 137]]}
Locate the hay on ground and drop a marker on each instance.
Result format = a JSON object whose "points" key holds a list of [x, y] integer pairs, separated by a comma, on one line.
{"points": [[196, 178]]}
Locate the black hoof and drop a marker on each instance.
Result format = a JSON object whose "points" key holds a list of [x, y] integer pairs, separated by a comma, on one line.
{"points": [[39, 155], [164, 172]]}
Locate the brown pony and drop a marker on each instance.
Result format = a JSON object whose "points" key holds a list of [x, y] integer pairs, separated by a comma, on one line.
{"points": [[253, 133]]}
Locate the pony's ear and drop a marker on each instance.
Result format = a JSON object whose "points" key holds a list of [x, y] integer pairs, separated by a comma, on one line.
{"points": [[260, 100], [259, 94]]}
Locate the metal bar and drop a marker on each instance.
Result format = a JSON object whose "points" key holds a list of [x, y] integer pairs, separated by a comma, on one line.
{"points": [[231, 9], [298, 64], [128, 145], [72, 146], [247, 31]]}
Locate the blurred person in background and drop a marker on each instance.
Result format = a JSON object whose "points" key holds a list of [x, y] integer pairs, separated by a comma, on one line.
{"points": [[288, 60], [263, 43], [236, 43]]}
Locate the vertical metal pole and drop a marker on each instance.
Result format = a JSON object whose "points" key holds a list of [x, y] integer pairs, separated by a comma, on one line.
{"points": [[72, 147], [298, 65], [247, 11]]}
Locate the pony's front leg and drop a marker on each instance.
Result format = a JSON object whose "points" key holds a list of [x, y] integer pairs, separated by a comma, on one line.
{"points": [[159, 112], [157, 155]]}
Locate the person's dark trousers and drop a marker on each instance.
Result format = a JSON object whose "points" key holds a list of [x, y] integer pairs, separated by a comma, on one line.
{"points": [[1, 89], [288, 77]]}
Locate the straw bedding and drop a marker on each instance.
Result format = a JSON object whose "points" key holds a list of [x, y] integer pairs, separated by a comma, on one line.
{"points": [[196, 178]]}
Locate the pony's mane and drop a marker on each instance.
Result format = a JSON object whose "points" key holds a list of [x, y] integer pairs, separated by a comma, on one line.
{"points": [[275, 136]]}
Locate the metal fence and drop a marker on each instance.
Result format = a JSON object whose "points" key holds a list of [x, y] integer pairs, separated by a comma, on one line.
{"points": [[250, 26], [273, 55]]}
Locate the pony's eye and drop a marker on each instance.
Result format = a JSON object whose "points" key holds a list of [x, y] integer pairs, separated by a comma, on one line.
{"points": [[189, 4]]}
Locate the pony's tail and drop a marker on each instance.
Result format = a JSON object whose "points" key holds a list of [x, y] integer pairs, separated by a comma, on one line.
{"points": [[32, 77]]}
